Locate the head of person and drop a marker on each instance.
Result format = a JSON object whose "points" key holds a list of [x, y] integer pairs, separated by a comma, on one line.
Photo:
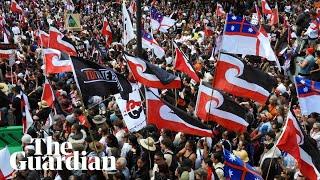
{"points": [[166, 143], [121, 163], [207, 163], [316, 127], [191, 146], [216, 158], [159, 158]]}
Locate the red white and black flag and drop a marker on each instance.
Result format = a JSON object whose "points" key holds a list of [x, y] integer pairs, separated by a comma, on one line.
{"points": [[151, 75], [294, 141], [60, 42], [43, 39], [47, 94], [96, 80], [6, 50], [182, 64], [236, 77], [107, 32], [213, 105], [56, 61], [165, 115], [15, 8]]}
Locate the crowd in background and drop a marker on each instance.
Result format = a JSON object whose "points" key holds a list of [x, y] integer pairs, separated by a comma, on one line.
{"points": [[156, 153]]}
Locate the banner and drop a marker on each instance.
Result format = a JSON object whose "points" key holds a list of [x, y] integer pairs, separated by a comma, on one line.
{"points": [[132, 111], [72, 22], [96, 80]]}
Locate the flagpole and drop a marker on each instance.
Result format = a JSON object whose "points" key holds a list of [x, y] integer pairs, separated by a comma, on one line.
{"points": [[174, 73], [138, 30]]}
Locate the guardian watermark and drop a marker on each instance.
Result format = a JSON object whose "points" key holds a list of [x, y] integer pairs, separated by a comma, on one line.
{"points": [[53, 160]]}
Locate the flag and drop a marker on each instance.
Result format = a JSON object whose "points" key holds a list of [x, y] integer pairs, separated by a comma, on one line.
{"points": [[235, 169], [15, 8], [43, 39], [6, 171], [274, 16], [294, 141], [95, 80], [132, 111], [151, 75], [266, 10], [106, 32], [27, 120], [258, 12], [149, 42], [133, 7], [240, 37], [165, 115], [7, 50], [160, 22], [182, 64], [208, 30], [56, 61], [308, 92], [128, 33], [219, 11], [215, 106], [47, 94], [236, 77], [60, 42]]}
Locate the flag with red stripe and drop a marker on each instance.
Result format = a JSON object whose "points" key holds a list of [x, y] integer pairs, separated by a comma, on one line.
{"points": [[106, 32], [60, 42], [165, 115], [213, 105], [15, 8], [47, 94], [182, 64], [294, 141], [56, 61]]}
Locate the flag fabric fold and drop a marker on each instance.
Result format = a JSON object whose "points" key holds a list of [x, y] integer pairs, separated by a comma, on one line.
{"points": [[132, 111], [294, 141], [151, 75], [240, 37], [128, 33], [165, 115], [96, 80], [159, 21], [148, 42], [219, 11], [236, 169], [15, 8], [266, 10], [308, 93], [60, 42], [47, 94], [6, 171], [274, 16], [213, 105], [106, 32], [56, 61], [182, 64], [236, 77], [43, 39]]}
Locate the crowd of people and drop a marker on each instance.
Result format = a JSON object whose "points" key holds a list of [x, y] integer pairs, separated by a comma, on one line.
{"points": [[154, 153]]}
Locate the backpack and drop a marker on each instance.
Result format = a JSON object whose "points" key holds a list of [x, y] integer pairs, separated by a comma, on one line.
{"points": [[174, 162]]}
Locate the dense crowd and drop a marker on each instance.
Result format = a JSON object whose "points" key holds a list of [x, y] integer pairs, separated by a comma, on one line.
{"points": [[156, 153]]}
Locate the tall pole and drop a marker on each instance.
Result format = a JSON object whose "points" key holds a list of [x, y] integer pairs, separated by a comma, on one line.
{"points": [[138, 30]]}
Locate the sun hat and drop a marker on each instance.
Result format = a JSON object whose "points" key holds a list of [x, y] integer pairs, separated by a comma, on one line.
{"points": [[98, 119], [43, 104], [148, 144], [242, 154], [100, 147]]}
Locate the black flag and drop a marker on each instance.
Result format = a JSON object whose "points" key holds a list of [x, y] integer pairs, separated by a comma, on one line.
{"points": [[96, 80]]}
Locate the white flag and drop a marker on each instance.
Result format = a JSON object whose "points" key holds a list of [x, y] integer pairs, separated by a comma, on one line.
{"points": [[5, 169], [132, 111], [128, 33]]}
